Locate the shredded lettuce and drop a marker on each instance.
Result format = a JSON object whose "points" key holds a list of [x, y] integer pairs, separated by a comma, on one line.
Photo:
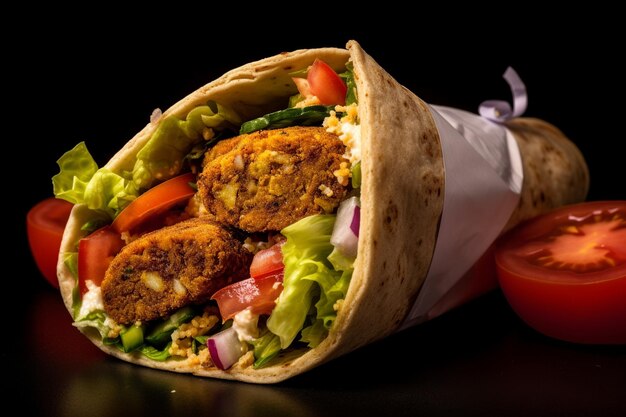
{"points": [[309, 276]]}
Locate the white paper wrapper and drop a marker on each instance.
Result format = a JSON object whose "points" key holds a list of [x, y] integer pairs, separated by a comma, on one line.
{"points": [[483, 182]]}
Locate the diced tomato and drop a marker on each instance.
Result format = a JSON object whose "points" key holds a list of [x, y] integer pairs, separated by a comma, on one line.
{"points": [[259, 295], [267, 262], [564, 273], [95, 253], [154, 202], [45, 223], [325, 84]]}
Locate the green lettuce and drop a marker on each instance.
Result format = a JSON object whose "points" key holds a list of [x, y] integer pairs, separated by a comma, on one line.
{"points": [[266, 347], [348, 78], [309, 278], [70, 259], [162, 157], [80, 181], [77, 167], [97, 319]]}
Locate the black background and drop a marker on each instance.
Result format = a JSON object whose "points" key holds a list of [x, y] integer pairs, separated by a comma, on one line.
{"points": [[97, 78]]}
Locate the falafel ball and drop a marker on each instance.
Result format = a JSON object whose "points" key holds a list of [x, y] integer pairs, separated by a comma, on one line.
{"points": [[167, 269], [267, 180]]}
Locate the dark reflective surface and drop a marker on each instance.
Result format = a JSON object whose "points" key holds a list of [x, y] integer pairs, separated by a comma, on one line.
{"points": [[477, 360]]}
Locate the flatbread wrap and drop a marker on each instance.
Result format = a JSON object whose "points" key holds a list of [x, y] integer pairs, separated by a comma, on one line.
{"points": [[162, 298]]}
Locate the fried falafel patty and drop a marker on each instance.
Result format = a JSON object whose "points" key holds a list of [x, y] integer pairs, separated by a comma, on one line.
{"points": [[267, 180], [167, 269]]}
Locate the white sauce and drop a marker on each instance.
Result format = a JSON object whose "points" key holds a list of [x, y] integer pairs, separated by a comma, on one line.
{"points": [[245, 324], [92, 300]]}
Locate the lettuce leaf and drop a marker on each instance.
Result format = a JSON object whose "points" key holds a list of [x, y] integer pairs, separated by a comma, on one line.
{"points": [[96, 319], [309, 278], [70, 259], [348, 78], [266, 348], [162, 157], [155, 354], [77, 167], [81, 182]]}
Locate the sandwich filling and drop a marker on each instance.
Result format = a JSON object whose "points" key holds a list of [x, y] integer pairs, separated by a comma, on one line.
{"points": [[229, 242]]}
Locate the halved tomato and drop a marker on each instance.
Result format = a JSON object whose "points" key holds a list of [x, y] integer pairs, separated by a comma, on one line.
{"points": [[45, 223], [95, 253], [259, 295], [564, 272], [155, 201]]}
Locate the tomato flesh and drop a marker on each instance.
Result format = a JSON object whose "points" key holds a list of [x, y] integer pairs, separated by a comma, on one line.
{"points": [[564, 273], [154, 202], [267, 262], [45, 223], [325, 84], [258, 295], [95, 253]]}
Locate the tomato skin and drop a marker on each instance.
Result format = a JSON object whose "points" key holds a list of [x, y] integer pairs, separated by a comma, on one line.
{"points": [[268, 262], [45, 223], [257, 294], [95, 253], [576, 312], [325, 84], [583, 303], [155, 201]]}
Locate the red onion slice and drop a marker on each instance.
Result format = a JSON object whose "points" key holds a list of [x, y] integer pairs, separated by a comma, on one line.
{"points": [[346, 230], [356, 221], [225, 348]]}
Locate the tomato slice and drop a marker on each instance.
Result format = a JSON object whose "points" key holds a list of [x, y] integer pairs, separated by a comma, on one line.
{"points": [[95, 253], [564, 272], [155, 201], [259, 295], [325, 84], [45, 223], [268, 262]]}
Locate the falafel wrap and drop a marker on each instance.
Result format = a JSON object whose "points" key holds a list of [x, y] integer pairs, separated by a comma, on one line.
{"points": [[276, 218]]}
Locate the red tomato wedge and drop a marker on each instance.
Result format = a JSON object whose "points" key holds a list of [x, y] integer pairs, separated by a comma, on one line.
{"points": [[259, 295], [268, 262], [564, 272], [45, 223], [95, 253], [325, 84], [155, 201]]}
